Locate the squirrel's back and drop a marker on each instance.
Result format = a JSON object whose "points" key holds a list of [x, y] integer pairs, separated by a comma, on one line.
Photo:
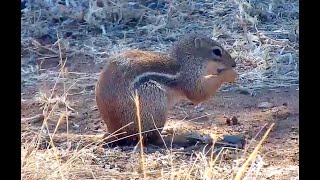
{"points": [[122, 69]]}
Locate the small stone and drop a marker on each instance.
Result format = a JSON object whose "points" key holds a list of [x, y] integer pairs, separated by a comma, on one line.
{"points": [[281, 114], [294, 128], [234, 139], [265, 105], [89, 87], [244, 91], [228, 122], [294, 137], [234, 121], [292, 37]]}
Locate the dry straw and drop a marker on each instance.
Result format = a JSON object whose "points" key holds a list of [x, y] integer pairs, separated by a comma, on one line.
{"points": [[271, 60], [137, 103]]}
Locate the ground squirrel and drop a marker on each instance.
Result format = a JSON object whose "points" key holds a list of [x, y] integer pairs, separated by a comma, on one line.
{"points": [[194, 69]]}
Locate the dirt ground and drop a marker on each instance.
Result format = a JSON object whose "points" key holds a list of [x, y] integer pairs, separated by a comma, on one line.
{"points": [[65, 44], [280, 151]]}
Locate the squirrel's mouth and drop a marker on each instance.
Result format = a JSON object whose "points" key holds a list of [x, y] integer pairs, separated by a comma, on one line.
{"points": [[220, 70]]}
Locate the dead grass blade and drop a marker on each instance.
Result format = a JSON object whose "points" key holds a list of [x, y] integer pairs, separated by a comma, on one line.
{"points": [[137, 103], [252, 156]]}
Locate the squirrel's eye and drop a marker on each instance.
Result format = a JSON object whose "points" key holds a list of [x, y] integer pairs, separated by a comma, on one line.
{"points": [[217, 51]]}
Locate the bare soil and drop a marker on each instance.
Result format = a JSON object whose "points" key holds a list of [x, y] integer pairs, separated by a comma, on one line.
{"points": [[280, 151], [65, 44]]}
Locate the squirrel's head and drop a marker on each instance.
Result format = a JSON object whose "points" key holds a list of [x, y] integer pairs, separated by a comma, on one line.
{"points": [[203, 49], [211, 50]]}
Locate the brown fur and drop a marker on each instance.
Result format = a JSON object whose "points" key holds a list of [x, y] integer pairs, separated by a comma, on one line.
{"points": [[189, 61]]}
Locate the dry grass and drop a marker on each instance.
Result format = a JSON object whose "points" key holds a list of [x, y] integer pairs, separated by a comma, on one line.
{"points": [[262, 35], [136, 100], [267, 52], [93, 162]]}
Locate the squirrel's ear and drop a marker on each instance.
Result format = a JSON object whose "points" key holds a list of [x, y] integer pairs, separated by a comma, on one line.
{"points": [[198, 42]]}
